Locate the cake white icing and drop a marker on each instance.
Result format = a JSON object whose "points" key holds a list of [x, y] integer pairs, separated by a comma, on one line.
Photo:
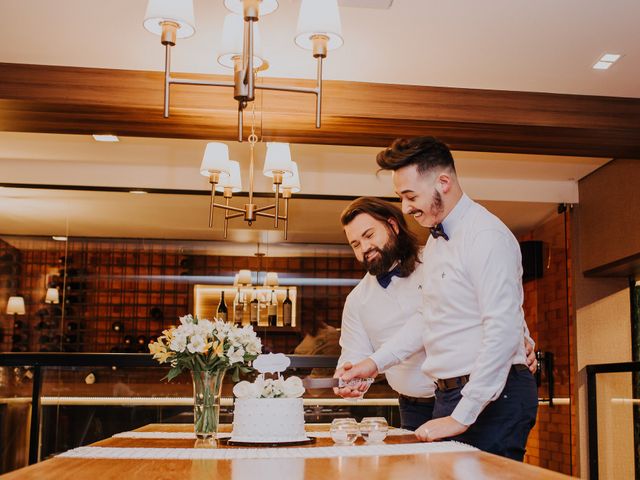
{"points": [[268, 420]]}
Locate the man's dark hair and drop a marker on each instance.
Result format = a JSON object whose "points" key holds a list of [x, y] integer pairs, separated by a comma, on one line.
{"points": [[407, 243], [425, 153]]}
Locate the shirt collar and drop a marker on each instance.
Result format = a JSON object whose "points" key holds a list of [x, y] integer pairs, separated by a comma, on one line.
{"points": [[453, 220]]}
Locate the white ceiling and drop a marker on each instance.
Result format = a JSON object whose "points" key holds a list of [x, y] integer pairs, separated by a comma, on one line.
{"points": [[542, 46]]}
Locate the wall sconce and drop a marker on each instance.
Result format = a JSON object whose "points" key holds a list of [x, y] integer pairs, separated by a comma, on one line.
{"points": [[52, 296], [15, 306]]}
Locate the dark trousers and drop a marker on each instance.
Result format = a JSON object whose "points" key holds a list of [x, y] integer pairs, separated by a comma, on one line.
{"points": [[414, 413], [504, 425]]}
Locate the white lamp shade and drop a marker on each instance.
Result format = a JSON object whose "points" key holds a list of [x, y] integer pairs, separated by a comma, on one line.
{"points": [[271, 280], [278, 159], [292, 182], [177, 11], [266, 6], [15, 305], [319, 17], [234, 180], [216, 160], [244, 277], [232, 35], [52, 296], [235, 280]]}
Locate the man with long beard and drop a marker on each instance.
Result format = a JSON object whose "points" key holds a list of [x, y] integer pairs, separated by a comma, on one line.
{"points": [[388, 295]]}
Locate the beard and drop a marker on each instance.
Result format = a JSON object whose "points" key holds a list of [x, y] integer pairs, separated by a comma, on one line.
{"points": [[387, 256]]}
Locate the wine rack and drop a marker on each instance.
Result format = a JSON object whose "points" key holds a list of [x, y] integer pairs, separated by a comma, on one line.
{"points": [[117, 294]]}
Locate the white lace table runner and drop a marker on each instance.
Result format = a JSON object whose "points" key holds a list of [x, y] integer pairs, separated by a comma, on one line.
{"points": [[192, 436], [244, 453]]}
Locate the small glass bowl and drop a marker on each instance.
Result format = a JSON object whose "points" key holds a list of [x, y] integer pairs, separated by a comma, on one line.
{"points": [[344, 431], [374, 429]]}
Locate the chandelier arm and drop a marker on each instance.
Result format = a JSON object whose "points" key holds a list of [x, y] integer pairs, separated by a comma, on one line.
{"points": [[195, 81], [212, 204], [236, 215], [230, 208], [265, 208], [284, 88], [226, 216], [269, 215], [286, 216], [319, 94], [277, 204], [240, 122], [167, 78]]}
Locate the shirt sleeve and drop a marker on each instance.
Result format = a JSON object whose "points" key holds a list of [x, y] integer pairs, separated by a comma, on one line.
{"points": [[495, 272], [354, 340], [407, 341]]}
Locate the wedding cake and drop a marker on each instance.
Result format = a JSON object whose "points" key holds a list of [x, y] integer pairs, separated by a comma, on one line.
{"points": [[269, 410]]}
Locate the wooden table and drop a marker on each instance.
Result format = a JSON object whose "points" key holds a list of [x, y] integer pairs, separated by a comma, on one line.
{"points": [[468, 465]]}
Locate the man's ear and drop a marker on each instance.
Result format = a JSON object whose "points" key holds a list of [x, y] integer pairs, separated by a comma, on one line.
{"points": [[445, 182], [394, 225]]}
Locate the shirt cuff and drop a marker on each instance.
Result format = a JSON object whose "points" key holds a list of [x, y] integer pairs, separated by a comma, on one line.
{"points": [[467, 411], [383, 360]]}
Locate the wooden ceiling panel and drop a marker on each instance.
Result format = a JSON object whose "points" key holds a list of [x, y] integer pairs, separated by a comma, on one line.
{"points": [[47, 99]]}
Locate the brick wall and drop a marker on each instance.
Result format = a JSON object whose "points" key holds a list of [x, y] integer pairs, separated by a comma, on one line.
{"points": [[549, 314]]}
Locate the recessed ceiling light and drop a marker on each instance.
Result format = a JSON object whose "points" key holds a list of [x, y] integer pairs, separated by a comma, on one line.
{"points": [[138, 192], [602, 65], [606, 61], [610, 57], [105, 138], [59, 239]]}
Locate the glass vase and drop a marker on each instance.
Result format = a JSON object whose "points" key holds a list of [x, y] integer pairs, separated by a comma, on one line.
{"points": [[207, 388]]}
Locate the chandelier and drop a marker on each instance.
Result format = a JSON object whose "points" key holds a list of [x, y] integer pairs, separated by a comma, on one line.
{"points": [[224, 176], [318, 30]]}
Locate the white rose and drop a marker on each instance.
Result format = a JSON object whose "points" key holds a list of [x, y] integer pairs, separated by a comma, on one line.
{"points": [[244, 390], [293, 387], [186, 319]]}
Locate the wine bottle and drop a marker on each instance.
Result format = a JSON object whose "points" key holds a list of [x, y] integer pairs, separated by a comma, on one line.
{"points": [[238, 308], [72, 326], [142, 340], [41, 325], [128, 340], [18, 324], [287, 307], [117, 327], [44, 339], [254, 309], [222, 313], [272, 310]]}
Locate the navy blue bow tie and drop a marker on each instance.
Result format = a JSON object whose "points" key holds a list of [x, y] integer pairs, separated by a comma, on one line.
{"points": [[384, 279], [438, 231]]}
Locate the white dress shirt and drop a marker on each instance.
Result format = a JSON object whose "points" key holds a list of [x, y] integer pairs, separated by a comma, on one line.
{"points": [[473, 317], [372, 315]]}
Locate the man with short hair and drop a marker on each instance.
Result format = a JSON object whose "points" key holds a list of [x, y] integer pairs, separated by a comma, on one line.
{"points": [[473, 318]]}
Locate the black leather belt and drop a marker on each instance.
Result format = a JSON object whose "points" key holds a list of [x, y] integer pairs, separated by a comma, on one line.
{"points": [[446, 384], [418, 400]]}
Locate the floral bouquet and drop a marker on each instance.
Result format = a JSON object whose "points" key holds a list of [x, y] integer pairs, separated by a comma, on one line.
{"points": [[209, 349], [270, 388]]}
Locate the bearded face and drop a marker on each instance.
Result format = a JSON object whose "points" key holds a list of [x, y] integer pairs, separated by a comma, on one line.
{"points": [[380, 260]]}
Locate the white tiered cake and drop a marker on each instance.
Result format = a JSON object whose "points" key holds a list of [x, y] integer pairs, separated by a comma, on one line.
{"points": [[269, 410], [268, 420]]}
